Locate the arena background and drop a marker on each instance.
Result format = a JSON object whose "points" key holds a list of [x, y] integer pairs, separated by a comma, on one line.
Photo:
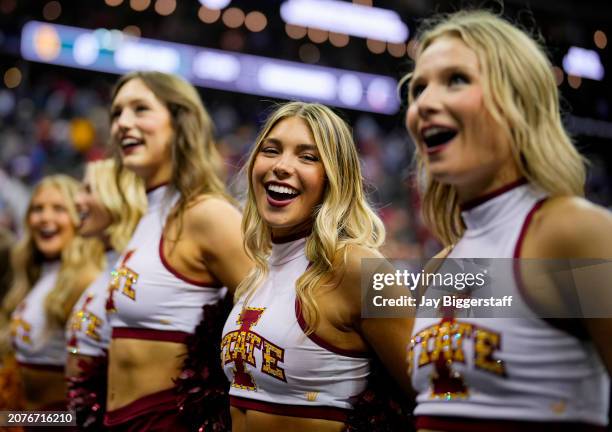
{"points": [[244, 56]]}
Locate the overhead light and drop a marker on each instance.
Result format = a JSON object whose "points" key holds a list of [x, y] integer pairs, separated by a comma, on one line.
{"points": [[348, 18], [100, 50], [215, 4], [582, 62]]}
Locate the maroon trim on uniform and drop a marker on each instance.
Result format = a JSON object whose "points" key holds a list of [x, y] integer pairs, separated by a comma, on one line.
{"points": [[303, 411], [320, 341], [208, 283], [517, 255], [493, 194], [153, 188], [149, 334], [526, 223], [571, 326], [292, 237], [43, 367], [160, 401], [463, 424]]}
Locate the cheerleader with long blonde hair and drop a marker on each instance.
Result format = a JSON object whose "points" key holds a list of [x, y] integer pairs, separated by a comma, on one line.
{"points": [[296, 349], [185, 254], [502, 179], [109, 208], [52, 267]]}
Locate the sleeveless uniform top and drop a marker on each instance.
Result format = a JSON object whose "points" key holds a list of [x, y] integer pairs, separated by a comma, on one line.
{"points": [[35, 344], [272, 365], [517, 369], [88, 331], [147, 298]]}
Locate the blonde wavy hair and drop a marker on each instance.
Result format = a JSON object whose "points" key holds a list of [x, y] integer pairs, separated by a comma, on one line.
{"points": [[123, 195], [343, 218], [520, 93], [81, 260], [197, 167]]}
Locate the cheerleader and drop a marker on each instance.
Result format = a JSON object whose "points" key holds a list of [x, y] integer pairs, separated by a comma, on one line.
{"points": [[109, 209], [295, 348], [186, 251], [52, 267], [503, 180]]}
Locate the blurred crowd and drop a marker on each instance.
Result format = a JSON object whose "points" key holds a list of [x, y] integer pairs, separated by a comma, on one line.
{"points": [[56, 125]]}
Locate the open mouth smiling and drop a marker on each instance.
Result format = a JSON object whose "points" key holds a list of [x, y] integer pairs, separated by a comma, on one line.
{"points": [[280, 195]]}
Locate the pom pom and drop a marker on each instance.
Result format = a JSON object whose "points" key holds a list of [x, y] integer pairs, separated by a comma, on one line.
{"points": [[87, 394], [202, 387]]}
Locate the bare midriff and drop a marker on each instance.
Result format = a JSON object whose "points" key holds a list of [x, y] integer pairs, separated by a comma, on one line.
{"points": [[138, 368], [42, 387], [257, 421]]}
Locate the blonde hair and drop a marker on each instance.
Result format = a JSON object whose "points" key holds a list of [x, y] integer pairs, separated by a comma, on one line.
{"points": [[81, 259], [343, 218], [124, 197], [197, 167], [520, 93]]}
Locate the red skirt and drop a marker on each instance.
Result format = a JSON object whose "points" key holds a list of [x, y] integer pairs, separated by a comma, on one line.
{"points": [[154, 412]]}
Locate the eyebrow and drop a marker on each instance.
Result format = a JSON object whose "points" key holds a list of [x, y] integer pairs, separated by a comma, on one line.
{"points": [[300, 147], [445, 69], [137, 100]]}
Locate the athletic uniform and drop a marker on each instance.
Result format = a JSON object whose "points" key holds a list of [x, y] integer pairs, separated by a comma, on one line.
{"points": [[148, 299], [88, 331], [272, 365], [36, 344], [504, 373]]}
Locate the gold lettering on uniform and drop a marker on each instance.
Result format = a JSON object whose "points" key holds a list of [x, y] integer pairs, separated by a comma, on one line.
{"points": [[17, 323], [271, 356], [485, 343], [75, 322], [130, 279], [239, 346], [411, 356], [460, 332], [92, 328], [312, 396], [442, 343], [226, 355], [253, 341], [425, 335]]}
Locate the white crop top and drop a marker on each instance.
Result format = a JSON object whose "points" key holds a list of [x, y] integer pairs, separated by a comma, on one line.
{"points": [[34, 341], [148, 299], [272, 365], [515, 369], [88, 331]]}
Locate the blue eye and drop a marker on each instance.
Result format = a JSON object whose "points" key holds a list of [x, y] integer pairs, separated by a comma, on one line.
{"points": [[458, 78]]}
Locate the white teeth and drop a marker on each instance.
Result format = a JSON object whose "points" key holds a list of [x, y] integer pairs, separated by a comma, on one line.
{"points": [[129, 141], [48, 231], [434, 130], [282, 189]]}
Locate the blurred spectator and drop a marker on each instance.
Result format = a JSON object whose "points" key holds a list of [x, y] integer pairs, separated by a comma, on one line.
{"points": [[6, 242]]}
